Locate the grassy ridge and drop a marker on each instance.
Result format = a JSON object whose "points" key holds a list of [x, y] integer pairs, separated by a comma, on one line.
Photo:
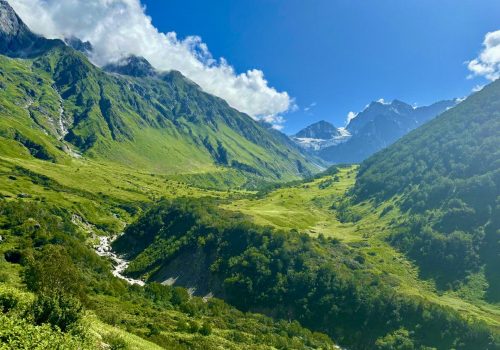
{"points": [[59, 103]]}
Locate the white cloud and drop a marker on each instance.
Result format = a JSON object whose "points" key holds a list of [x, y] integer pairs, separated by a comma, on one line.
{"points": [[350, 116], [308, 108], [477, 88], [487, 64], [276, 121], [117, 28]]}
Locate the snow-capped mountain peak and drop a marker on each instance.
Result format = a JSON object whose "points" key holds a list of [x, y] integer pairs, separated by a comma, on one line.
{"points": [[320, 135]]}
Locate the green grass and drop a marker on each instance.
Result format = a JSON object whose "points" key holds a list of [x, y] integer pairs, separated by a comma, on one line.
{"points": [[105, 194], [307, 207], [98, 191], [116, 312]]}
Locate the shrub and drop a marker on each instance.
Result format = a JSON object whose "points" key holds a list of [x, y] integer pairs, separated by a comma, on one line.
{"points": [[114, 341], [8, 301], [51, 271], [206, 329], [59, 311]]}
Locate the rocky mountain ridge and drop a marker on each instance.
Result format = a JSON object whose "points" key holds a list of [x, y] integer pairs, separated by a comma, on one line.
{"points": [[376, 127]]}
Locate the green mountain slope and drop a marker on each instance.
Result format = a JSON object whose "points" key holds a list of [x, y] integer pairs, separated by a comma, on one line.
{"points": [[56, 104], [446, 177], [60, 101]]}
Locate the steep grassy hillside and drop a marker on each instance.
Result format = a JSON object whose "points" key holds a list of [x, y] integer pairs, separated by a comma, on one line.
{"points": [[59, 104], [446, 178], [56, 105]]}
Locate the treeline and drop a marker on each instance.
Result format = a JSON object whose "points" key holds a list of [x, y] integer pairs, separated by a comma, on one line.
{"points": [[322, 283], [63, 280], [446, 177]]}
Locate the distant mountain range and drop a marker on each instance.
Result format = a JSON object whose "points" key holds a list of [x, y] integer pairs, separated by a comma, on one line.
{"points": [[379, 125]]}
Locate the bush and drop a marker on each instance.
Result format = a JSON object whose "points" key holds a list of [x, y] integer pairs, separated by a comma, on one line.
{"points": [[59, 311], [397, 340], [17, 333], [206, 329], [8, 301], [114, 341], [153, 330], [51, 271], [194, 327], [13, 256]]}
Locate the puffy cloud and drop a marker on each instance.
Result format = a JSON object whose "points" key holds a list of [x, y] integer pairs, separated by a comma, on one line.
{"points": [[276, 121], [487, 64], [117, 28]]}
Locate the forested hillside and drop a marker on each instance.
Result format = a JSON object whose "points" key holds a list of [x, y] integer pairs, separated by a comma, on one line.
{"points": [[323, 283], [446, 177], [72, 301]]}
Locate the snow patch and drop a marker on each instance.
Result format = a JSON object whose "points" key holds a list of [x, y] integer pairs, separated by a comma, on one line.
{"points": [[319, 144]]}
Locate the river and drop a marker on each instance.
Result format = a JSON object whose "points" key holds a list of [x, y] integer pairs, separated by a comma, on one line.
{"points": [[119, 264]]}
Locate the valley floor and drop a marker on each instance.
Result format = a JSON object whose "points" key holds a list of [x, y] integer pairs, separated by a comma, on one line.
{"points": [[109, 196], [307, 207]]}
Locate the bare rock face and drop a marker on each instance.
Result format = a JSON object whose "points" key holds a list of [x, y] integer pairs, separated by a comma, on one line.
{"points": [[10, 23], [319, 130], [320, 135], [378, 126], [16, 39], [134, 66], [84, 47]]}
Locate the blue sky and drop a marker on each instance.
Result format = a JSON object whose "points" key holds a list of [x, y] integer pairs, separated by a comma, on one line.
{"points": [[329, 56], [339, 55]]}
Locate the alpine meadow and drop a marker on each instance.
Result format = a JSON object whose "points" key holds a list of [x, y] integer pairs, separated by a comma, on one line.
{"points": [[153, 197]]}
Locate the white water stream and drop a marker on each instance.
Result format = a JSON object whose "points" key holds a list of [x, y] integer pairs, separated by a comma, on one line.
{"points": [[119, 264]]}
